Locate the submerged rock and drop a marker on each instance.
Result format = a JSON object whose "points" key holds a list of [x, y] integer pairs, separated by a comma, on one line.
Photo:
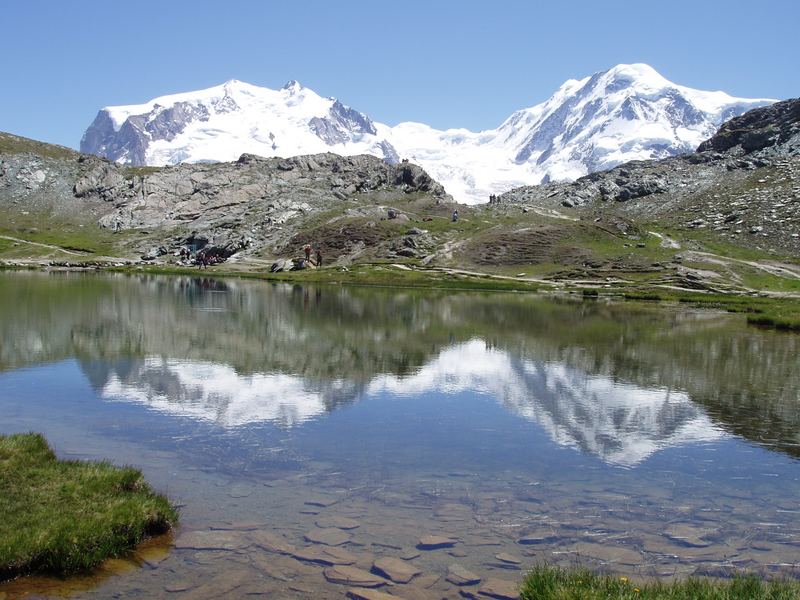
{"points": [[338, 523], [212, 540], [395, 569], [434, 542], [500, 589], [347, 575], [458, 575], [370, 594], [271, 542], [329, 537], [325, 555]]}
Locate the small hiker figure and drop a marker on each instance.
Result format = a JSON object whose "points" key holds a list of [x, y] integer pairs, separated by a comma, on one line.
{"points": [[455, 216], [319, 258], [307, 250]]}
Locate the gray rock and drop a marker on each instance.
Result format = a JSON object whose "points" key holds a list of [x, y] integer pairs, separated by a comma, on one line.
{"points": [[282, 265], [458, 575], [435, 542], [395, 569], [348, 575]]}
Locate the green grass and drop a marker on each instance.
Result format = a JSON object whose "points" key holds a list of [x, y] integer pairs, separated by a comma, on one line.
{"points": [[14, 144], [45, 228], [68, 516], [771, 320], [365, 275], [554, 583]]}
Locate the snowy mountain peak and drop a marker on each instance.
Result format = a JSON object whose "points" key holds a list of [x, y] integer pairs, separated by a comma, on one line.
{"points": [[292, 86], [639, 74], [628, 112], [223, 122]]}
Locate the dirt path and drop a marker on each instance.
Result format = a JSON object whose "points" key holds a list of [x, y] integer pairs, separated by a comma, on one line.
{"points": [[773, 268], [49, 246], [666, 241]]}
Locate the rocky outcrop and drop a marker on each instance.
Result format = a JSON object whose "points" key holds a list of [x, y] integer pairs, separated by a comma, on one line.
{"points": [[758, 129], [222, 208], [104, 180]]}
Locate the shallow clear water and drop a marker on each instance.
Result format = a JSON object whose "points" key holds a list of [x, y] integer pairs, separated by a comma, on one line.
{"points": [[650, 441]]}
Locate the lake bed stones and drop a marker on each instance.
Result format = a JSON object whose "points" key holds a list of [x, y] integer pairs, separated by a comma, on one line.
{"points": [[329, 537], [509, 559], [395, 569], [435, 542], [500, 589], [353, 576], [271, 542], [370, 594], [325, 555], [458, 575], [335, 522], [212, 540]]}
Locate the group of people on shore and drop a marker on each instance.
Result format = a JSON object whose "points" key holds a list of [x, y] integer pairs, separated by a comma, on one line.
{"points": [[317, 262], [201, 259]]}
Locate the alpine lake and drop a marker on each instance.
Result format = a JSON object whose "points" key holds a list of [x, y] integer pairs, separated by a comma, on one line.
{"points": [[434, 444]]}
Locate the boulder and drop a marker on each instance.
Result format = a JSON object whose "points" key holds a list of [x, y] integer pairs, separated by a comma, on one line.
{"points": [[281, 265]]}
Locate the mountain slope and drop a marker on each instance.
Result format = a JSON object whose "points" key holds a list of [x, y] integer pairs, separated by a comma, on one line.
{"points": [[629, 112]]}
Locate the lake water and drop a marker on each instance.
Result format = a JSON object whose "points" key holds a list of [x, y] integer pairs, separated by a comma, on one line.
{"points": [[649, 441]]}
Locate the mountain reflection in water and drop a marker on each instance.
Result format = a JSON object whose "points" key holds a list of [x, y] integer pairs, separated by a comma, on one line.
{"points": [[620, 423], [615, 381]]}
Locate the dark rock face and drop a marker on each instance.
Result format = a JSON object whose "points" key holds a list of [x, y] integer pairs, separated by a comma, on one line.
{"points": [[341, 124], [758, 129], [129, 144]]}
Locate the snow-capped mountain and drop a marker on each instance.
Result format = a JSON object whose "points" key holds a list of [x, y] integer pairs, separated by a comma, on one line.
{"points": [[223, 122], [628, 112]]}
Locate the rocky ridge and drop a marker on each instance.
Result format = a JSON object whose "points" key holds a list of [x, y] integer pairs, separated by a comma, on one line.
{"points": [[223, 207]]}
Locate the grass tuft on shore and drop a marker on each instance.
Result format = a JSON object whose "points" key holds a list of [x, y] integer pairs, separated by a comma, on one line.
{"points": [[554, 583], [64, 517]]}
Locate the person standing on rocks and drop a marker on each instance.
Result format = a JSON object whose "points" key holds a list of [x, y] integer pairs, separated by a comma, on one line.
{"points": [[319, 257], [307, 250]]}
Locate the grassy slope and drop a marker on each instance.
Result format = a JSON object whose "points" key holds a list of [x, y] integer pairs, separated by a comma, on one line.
{"points": [[68, 516], [13, 144], [552, 583]]}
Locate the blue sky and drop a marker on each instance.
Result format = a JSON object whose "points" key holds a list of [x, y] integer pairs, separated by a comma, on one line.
{"points": [[445, 63]]}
